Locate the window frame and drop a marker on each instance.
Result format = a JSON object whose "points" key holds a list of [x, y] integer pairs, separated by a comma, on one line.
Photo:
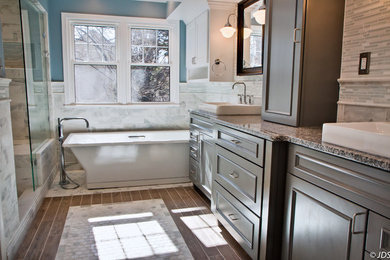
{"points": [[123, 27]]}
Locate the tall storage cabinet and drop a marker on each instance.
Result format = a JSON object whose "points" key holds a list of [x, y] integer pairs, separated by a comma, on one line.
{"points": [[210, 56], [303, 44]]}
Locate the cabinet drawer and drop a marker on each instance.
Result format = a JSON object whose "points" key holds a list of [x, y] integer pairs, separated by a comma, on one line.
{"points": [[242, 224], [365, 185], [202, 124], [378, 233], [194, 136], [194, 171], [248, 146], [240, 177], [194, 152]]}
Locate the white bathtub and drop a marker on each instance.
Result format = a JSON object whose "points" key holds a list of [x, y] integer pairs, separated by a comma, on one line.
{"points": [[118, 159]]}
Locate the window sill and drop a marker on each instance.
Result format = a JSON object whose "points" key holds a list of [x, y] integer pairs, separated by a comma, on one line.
{"points": [[137, 105]]}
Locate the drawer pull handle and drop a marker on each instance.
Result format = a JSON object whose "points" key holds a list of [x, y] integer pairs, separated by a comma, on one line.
{"points": [[295, 35], [233, 217], [194, 152], [194, 137], [235, 141], [385, 239], [192, 171], [354, 221], [234, 175]]}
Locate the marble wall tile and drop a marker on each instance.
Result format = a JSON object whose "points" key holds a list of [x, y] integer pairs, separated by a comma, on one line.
{"points": [[8, 193], [113, 118], [10, 17], [18, 110], [356, 113], [13, 52], [366, 29], [47, 161]]}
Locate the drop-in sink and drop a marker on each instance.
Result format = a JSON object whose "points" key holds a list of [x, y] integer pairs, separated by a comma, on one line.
{"points": [[224, 108], [370, 137]]}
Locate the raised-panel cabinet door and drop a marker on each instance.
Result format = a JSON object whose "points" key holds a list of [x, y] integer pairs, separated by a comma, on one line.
{"points": [[283, 65], [202, 40], [320, 225]]}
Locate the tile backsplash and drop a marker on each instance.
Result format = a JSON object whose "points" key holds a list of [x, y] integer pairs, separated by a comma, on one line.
{"points": [[366, 29]]}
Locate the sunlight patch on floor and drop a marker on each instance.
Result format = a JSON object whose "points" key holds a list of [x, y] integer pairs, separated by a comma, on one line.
{"points": [[134, 240], [205, 228], [184, 210], [120, 217]]}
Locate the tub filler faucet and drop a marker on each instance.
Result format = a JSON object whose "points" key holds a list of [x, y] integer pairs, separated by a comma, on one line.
{"points": [[64, 178]]}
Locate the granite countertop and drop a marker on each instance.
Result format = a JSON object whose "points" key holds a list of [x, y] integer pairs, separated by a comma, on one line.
{"points": [[310, 137]]}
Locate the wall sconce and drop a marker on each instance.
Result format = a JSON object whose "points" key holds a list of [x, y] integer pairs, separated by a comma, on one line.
{"points": [[247, 32], [259, 15], [228, 30]]}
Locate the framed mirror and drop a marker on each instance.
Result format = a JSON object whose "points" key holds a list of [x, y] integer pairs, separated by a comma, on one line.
{"points": [[250, 38]]}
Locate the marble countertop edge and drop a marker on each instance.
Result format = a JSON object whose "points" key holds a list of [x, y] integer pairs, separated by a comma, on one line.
{"points": [[309, 137]]}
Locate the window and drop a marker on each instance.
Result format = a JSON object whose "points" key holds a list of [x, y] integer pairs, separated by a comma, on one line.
{"points": [[119, 60], [150, 81]]}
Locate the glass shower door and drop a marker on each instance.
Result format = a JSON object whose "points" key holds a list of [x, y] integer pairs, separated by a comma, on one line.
{"points": [[36, 72]]}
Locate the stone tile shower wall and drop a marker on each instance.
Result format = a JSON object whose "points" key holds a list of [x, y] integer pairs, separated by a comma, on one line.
{"points": [[366, 29], [14, 66], [9, 212]]}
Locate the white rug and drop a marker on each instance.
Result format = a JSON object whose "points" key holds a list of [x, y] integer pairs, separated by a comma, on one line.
{"points": [[128, 230]]}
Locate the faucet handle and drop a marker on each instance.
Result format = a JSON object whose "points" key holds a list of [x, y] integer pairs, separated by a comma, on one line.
{"points": [[240, 96], [251, 99]]}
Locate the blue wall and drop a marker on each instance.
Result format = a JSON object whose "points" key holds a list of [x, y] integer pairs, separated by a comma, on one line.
{"points": [[109, 7]]}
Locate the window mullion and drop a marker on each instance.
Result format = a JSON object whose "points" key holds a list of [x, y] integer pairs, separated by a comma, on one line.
{"points": [[121, 56]]}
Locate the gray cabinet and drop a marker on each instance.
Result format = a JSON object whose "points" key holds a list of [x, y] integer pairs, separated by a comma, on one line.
{"points": [[335, 208], [202, 153], [320, 225], [241, 223], [206, 162], [378, 236], [246, 194], [302, 60]]}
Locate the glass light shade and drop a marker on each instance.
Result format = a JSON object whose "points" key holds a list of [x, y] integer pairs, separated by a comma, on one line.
{"points": [[227, 31], [247, 32], [259, 16]]}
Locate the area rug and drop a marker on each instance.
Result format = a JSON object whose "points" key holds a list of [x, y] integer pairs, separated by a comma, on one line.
{"points": [[129, 230]]}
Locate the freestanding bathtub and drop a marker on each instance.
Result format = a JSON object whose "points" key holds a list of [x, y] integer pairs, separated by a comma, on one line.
{"points": [[119, 159]]}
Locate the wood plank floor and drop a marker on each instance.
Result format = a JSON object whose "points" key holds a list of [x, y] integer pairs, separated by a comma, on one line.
{"points": [[43, 237]]}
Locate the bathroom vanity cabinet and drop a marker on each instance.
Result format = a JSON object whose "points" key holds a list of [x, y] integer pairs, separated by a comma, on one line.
{"points": [[202, 152], [302, 59], [246, 171], [280, 200], [335, 208]]}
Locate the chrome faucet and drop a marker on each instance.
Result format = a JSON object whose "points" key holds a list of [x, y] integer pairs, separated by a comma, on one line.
{"points": [[60, 128], [241, 83], [63, 175]]}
